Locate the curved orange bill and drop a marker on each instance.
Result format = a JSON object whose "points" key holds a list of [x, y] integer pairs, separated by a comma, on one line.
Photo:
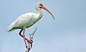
{"points": [[48, 11]]}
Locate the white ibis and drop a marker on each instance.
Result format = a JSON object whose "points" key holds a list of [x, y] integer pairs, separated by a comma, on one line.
{"points": [[27, 20]]}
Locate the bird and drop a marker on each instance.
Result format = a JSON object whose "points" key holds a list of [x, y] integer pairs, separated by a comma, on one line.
{"points": [[27, 20]]}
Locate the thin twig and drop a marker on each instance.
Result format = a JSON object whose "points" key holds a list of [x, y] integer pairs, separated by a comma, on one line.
{"points": [[31, 35]]}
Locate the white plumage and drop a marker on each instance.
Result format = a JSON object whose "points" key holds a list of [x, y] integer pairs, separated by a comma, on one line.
{"points": [[24, 21]]}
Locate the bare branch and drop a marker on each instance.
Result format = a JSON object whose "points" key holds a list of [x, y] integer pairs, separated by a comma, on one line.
{"points": [[28, 49], [31, 37]]}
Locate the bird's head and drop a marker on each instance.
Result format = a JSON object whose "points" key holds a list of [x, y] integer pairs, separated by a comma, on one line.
{"points": [[40, 5]]}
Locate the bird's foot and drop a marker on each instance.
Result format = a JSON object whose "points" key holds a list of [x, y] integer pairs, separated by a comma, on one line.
{"points": [[30, 41]]}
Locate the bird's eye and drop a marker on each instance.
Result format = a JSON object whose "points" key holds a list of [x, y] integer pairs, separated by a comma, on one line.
{"points": [[41, 5]]}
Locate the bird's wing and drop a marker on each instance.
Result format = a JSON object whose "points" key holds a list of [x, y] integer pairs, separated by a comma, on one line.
{"points": [[21, 21]]}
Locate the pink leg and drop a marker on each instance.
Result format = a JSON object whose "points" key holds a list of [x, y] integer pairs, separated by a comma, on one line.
{"points": [[22, 35], [24, 38], [29, 41]]}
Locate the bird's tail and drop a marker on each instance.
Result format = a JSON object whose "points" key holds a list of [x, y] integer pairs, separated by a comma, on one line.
{"points": [[10, 28]]}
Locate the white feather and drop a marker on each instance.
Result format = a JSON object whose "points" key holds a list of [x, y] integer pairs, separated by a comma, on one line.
{"points": [[24, 21]]}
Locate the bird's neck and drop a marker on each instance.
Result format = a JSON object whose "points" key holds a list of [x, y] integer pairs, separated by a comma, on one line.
{"points": [[40, 13]]}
